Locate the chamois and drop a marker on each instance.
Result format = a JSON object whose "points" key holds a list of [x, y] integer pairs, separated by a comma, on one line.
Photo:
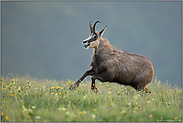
{"points": [[112, 65]]}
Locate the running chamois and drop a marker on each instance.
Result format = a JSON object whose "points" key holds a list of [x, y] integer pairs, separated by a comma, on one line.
{"points": [[112, 65]]}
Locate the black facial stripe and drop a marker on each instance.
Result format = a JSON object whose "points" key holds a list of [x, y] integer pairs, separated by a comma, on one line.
{"points": [[92, 39], [86, 45], [85, 41], [89, 41]]}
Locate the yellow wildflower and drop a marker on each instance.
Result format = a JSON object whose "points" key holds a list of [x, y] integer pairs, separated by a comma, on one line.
{"points": [[10, 84], [6, 118], [25, 110], [160, 102], [10, 95], [94, 109], [69, 101], [78, 90], [144, 91], [68, 82], [14, 94], [168, 103], [29, 85], [28, 117], [19, 90], [2, 83], [37, 84], [111, 103], [28, 82], [10, 92], [2, 114], [12, 80], [150, 115], [80, 112], [59, 93], [118, 92], [175, 118], [1, 79]]}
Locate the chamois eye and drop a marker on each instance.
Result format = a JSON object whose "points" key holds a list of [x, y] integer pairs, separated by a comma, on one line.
{"points": [[95, 36]]}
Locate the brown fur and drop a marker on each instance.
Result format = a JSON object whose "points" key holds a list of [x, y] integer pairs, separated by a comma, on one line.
{"points": [[113, 65]]}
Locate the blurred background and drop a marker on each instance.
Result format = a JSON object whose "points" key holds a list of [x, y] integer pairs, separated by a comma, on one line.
{"points": [[44, 39]]}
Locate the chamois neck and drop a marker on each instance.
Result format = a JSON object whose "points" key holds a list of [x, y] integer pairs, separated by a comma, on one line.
{"points": [[104, 45]]}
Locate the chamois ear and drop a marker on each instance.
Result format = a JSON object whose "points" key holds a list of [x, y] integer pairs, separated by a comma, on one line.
{"points": [[102, 32]]}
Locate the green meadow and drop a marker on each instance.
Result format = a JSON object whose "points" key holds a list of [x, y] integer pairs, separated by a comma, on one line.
{"points": [[26, 99]]}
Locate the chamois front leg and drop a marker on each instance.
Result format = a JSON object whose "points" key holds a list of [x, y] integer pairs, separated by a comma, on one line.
{"points": [[87, 73]]}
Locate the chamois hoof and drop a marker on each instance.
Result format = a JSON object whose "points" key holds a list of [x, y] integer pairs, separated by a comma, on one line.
{"points": [[147, 91], [95, 89], [72, 87]]}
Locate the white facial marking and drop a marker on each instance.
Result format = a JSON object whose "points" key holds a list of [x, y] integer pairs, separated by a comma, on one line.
{"points": [[88, 38]]}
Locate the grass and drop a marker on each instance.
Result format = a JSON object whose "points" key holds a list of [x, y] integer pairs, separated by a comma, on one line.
{"points": [[52, 101]]}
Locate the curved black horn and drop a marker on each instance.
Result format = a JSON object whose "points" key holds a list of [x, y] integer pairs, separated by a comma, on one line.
{"points": [[91, 28], [94, 26]]}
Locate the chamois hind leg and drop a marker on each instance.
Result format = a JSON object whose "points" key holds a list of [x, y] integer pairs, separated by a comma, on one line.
{"points": [[93, 87], [100, 77], [87, 73]]}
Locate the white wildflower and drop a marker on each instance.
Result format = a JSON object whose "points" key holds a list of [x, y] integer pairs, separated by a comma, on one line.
{"points": [[67, 113], [61, 109], [38, 117], [93, 116], [33, 107]]}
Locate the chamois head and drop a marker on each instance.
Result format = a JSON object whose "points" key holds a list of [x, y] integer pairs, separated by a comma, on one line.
{"points": [[93, 40]]}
